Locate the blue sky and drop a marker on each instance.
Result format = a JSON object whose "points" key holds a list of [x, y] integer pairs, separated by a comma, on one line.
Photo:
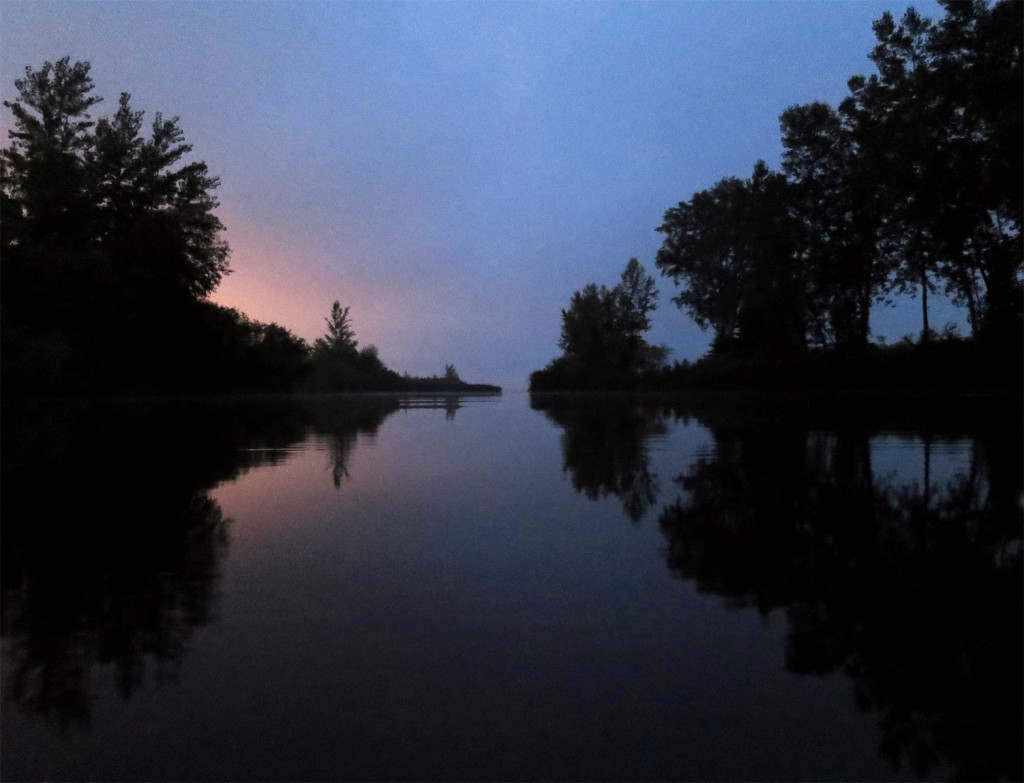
{"points": [[453, 171]]}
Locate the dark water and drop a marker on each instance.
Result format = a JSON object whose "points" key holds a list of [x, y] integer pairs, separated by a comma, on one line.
{"points": [[505, 588]]}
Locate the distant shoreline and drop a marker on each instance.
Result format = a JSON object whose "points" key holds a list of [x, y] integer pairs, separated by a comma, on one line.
{"points": [[943, 366], [460, 388]]}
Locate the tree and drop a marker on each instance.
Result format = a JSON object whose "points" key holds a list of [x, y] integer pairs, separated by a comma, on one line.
{"points": [[912, 185], [976, 53], [340, 339], [109, 245], [338, 364], [732, 249], [834, 204], [602, 334], [897, 129], [635, 298], [700, 251], [942, 120], [603, 328], [44, 170], [589, 335], [145, 202]]}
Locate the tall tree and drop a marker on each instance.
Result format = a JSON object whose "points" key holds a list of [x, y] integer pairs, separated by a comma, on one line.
{"points": [[45, 173], [838, 221], [340, 338], [976, 52], [897, 129], [635, 298], [46, 202], [109, 243], [339, 365], [701, 253], [942, 120], [732, 249], [150, 198]]}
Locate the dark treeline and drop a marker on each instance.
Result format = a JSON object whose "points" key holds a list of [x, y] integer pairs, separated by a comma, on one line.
{"points": [[114, 559], [110, 248], [911, 588], [602, 337], [912, 185]]}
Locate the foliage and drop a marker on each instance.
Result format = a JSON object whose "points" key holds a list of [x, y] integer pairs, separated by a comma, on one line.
{"points": [[943, 118], [339, 365], [834, 204], [903, 366], [340, 338], [602, 335], [913, 184], [110, 244], [733, 245]]}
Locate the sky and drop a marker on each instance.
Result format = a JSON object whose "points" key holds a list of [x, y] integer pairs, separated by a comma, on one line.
{"points": [[453, 171]]}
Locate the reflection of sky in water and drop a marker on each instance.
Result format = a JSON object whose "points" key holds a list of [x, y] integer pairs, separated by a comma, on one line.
{"points": [[900, 460]]}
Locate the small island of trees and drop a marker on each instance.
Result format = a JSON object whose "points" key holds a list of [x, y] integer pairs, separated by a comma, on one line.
{"points": [[110, 249], [912, 186]]}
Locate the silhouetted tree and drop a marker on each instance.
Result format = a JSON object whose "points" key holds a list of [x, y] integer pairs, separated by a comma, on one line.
{"points": [[732, 249], [835, 204], [247, 354], [340, 338], [907, 147], [339, 365], [942, 117], [602, 335], [913, 185], [590, 338], [109, 242]]}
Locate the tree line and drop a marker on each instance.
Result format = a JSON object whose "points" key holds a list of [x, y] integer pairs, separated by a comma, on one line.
{"points": [[912, 185], [110, 248]]}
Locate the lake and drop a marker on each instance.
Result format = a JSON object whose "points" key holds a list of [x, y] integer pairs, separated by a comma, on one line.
{"points": [[586, 587]]}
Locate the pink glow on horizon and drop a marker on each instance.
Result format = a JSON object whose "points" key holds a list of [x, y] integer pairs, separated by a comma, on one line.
{"points": [[273, 279], [276, 277]]}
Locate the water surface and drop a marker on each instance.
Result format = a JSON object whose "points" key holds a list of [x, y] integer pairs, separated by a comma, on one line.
{"points": [[592, 587]]}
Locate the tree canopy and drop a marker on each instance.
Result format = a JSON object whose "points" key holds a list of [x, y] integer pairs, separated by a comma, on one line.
{"points": [[912, 185], [110, 243], [339, 365], [340, 337], [602, 338]]}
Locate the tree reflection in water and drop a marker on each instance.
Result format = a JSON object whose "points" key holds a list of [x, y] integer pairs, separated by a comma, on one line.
{"points": [[911, 589], [605, 446], [111, 544]]}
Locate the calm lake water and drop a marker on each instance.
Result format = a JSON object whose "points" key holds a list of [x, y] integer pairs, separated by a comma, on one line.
{"points": [[516, 588]]}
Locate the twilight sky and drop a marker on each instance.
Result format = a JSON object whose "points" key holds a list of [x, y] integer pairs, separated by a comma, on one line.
{"points": [[453, 171]]}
